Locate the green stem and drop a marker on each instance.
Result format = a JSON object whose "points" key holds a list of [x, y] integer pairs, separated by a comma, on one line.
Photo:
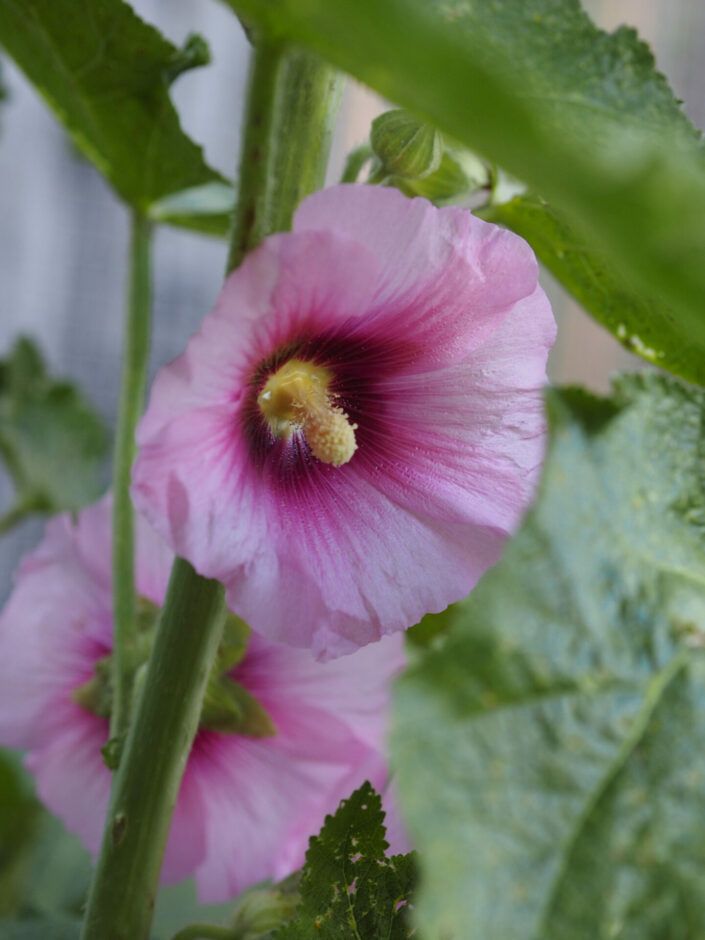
{"points": [[290, 100], [292, 105], [134, 375], [158, 743], [357, 158], [378, 176], [206, 932]]}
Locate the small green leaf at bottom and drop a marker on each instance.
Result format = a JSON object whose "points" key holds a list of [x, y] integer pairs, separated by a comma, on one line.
{"points": [[350, 890]]}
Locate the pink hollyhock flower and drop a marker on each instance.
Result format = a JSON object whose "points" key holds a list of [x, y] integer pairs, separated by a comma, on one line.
{"points": [[358, 426], [247, 805]]}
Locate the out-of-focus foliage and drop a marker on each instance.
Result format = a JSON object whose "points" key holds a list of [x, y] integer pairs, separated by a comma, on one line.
{"points": [[551, 752], [40, 928], [52, 442], [106, 75], [582, 116], [19, 813]]}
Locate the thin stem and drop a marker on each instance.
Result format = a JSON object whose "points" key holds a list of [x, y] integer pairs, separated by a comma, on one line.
{"points": [[206, 932], [357, 158], [134, 375], [378, 176], [292, 105], [158, 743], [298, 128]]}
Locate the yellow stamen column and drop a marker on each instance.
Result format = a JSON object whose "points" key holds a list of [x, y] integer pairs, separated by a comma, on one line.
{"points": [[297, 397]]}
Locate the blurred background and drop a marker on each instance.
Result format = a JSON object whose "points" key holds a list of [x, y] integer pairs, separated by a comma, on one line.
{"points": [[63, 235]]}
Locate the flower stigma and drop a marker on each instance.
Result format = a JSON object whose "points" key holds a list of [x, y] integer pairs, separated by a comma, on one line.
{"points": [[296, 396]]}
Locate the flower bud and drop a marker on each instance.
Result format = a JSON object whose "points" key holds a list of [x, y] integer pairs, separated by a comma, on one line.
{"points": [[404, 145]]}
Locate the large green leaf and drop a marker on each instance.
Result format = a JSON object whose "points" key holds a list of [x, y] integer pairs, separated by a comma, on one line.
{"points": [[106, 74], [349, 888], [582, 116], [551, 754], [641, 323], [51, 441]]}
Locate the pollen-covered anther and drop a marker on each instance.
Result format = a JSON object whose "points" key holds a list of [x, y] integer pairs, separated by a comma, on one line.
{"points": [[330, 435], [296, 396]]}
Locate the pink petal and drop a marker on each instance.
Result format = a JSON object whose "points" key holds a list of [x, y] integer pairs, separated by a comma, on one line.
{"points": [[289, 286], [437, 335], [186, 845], [355, 689], [481, 419], [263, 799], [72, 779], [344, 569], [52, 630], [447, 278]]}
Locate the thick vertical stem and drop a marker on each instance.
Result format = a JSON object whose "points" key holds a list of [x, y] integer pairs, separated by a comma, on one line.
{"points": [[148, 777], [134, 374], [290, 112], [292, 106]]}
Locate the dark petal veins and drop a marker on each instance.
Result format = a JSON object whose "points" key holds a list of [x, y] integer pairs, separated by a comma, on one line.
{"points": [[358, 364]]}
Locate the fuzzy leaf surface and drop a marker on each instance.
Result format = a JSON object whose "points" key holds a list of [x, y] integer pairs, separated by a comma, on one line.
{"points": [[560, 729], [106, 74], [349, 888], [52, 442], [582, 116]]}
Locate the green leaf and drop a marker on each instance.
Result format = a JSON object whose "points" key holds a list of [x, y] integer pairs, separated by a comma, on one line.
{"points": [[19, 817], [57, 876], [44, 870], [641, 323], [349, 889], [206, 208], [106, 75], [583, 117], [551, 754], [52, 442], [40, 928]]}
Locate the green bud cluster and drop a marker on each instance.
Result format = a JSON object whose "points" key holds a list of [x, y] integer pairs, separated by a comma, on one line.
{"points": [[417, 159]]}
